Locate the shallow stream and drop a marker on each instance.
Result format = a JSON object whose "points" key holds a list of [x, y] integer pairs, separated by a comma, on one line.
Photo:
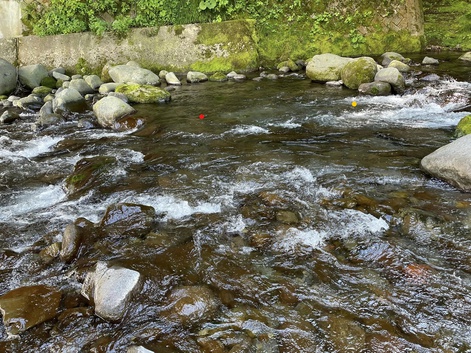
{"points": [[309, 219]]}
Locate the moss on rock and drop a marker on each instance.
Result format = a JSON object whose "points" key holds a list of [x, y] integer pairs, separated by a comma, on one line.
{"points": [[356, 72], [464, 127], [137, 93]]}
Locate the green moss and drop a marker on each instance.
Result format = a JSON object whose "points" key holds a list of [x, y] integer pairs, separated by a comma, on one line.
{"points": [[178, 30], [243, 61], [49, 82], [464, 127], [137, 93]]}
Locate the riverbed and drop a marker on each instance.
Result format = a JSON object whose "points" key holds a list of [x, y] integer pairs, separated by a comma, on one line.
{"points": [[306, 215]]}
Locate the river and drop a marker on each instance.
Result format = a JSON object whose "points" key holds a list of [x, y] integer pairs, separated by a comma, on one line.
{"points": [[307, 217]]}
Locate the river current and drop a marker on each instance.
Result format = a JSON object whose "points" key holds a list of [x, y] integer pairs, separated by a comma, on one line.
{"points": [[309, 218]]}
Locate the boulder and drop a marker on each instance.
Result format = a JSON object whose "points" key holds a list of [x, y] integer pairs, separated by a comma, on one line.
{"points": [[191, 305], [81, 86], [402, 67], [93, 81], [126, 219], [108, 87], [7, 77], [47, 116], [389, 56], [464, 127], [375, 88], [451, 163], [358, 71], [465, 56], [172, 79], [26, 307], [111, 289], [195, 77], [326, 67], [110, 109], [128, 73], [31, 75], [392, 76], [430, 61], [218, 77], [138, 93], [68, 100], [50, 82]]}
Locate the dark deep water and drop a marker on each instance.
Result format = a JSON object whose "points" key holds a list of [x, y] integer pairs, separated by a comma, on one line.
{"points": [[308, 218]]}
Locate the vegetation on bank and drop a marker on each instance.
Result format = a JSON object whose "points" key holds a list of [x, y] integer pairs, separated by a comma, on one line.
{"points": [[448, 23]]}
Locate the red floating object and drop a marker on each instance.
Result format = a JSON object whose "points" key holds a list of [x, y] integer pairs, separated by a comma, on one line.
{"points": [[201, 116]]}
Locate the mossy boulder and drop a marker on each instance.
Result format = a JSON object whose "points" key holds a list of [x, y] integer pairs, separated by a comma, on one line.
{"points": [[326, 67], [218, 77], [358, 71], [42, 91], [49, 82], [375, 88], [463, 127], [137, 93], [289, 64]]}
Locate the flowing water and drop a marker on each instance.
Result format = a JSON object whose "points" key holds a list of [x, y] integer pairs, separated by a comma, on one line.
{"points": [[309, 218]]}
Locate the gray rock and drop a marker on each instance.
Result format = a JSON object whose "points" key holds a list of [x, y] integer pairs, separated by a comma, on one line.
{"points": [[272, 76], [133, 64], [375, 88], [76, 77], [392, 76], [68, 100], [390, 56], [451, 163], [172, 79], [47, 117], [239, 77], [81, 86], [108, 87], [430, 78], [284, 69], [111, 289], [127, 73], [7, 77], [60, 76], [29, 102], [31, 75], [71, 240], [26, 307], [93, 81], [358, 71], [232, 74], [326, 67], [399, 65], [59, 70], [8, 117], [195, 77], [121, 96], [334, 83], [110, 109], [162, 74], [465, 56], [430, 61]]}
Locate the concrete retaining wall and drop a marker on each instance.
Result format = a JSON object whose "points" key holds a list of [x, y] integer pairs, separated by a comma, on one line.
{"points": [[10, 19]]}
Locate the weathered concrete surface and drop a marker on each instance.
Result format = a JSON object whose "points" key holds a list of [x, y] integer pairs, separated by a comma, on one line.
{"points": [[10, 19], [175, 48], [8, 50]]}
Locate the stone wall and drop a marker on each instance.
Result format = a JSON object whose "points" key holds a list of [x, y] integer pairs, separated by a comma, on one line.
{"points": [[10, 19]]}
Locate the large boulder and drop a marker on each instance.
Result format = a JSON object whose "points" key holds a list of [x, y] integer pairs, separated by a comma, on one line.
{"points": [[32, 75], [68, 100], [138, 93], [7, 77], [451, 163], [129, 73], [126, 219], [392, 76], [25, 307], [110, 109], [326, 67], [111, 289], [466, 56], [358, 71]]}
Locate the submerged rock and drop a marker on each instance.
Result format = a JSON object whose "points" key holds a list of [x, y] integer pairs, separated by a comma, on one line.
{"points": [[70, 242], [392, 76], [7, 77], [451, 163], [191, 305], [32, 75], [126, 219], [326, 67], [25, 307], [358, 71], [138, 93], [129, 73], [111, 289], [109, 109]]}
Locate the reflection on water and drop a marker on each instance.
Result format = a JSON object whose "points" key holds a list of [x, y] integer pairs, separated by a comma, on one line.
{"points": [[308, 218]]}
